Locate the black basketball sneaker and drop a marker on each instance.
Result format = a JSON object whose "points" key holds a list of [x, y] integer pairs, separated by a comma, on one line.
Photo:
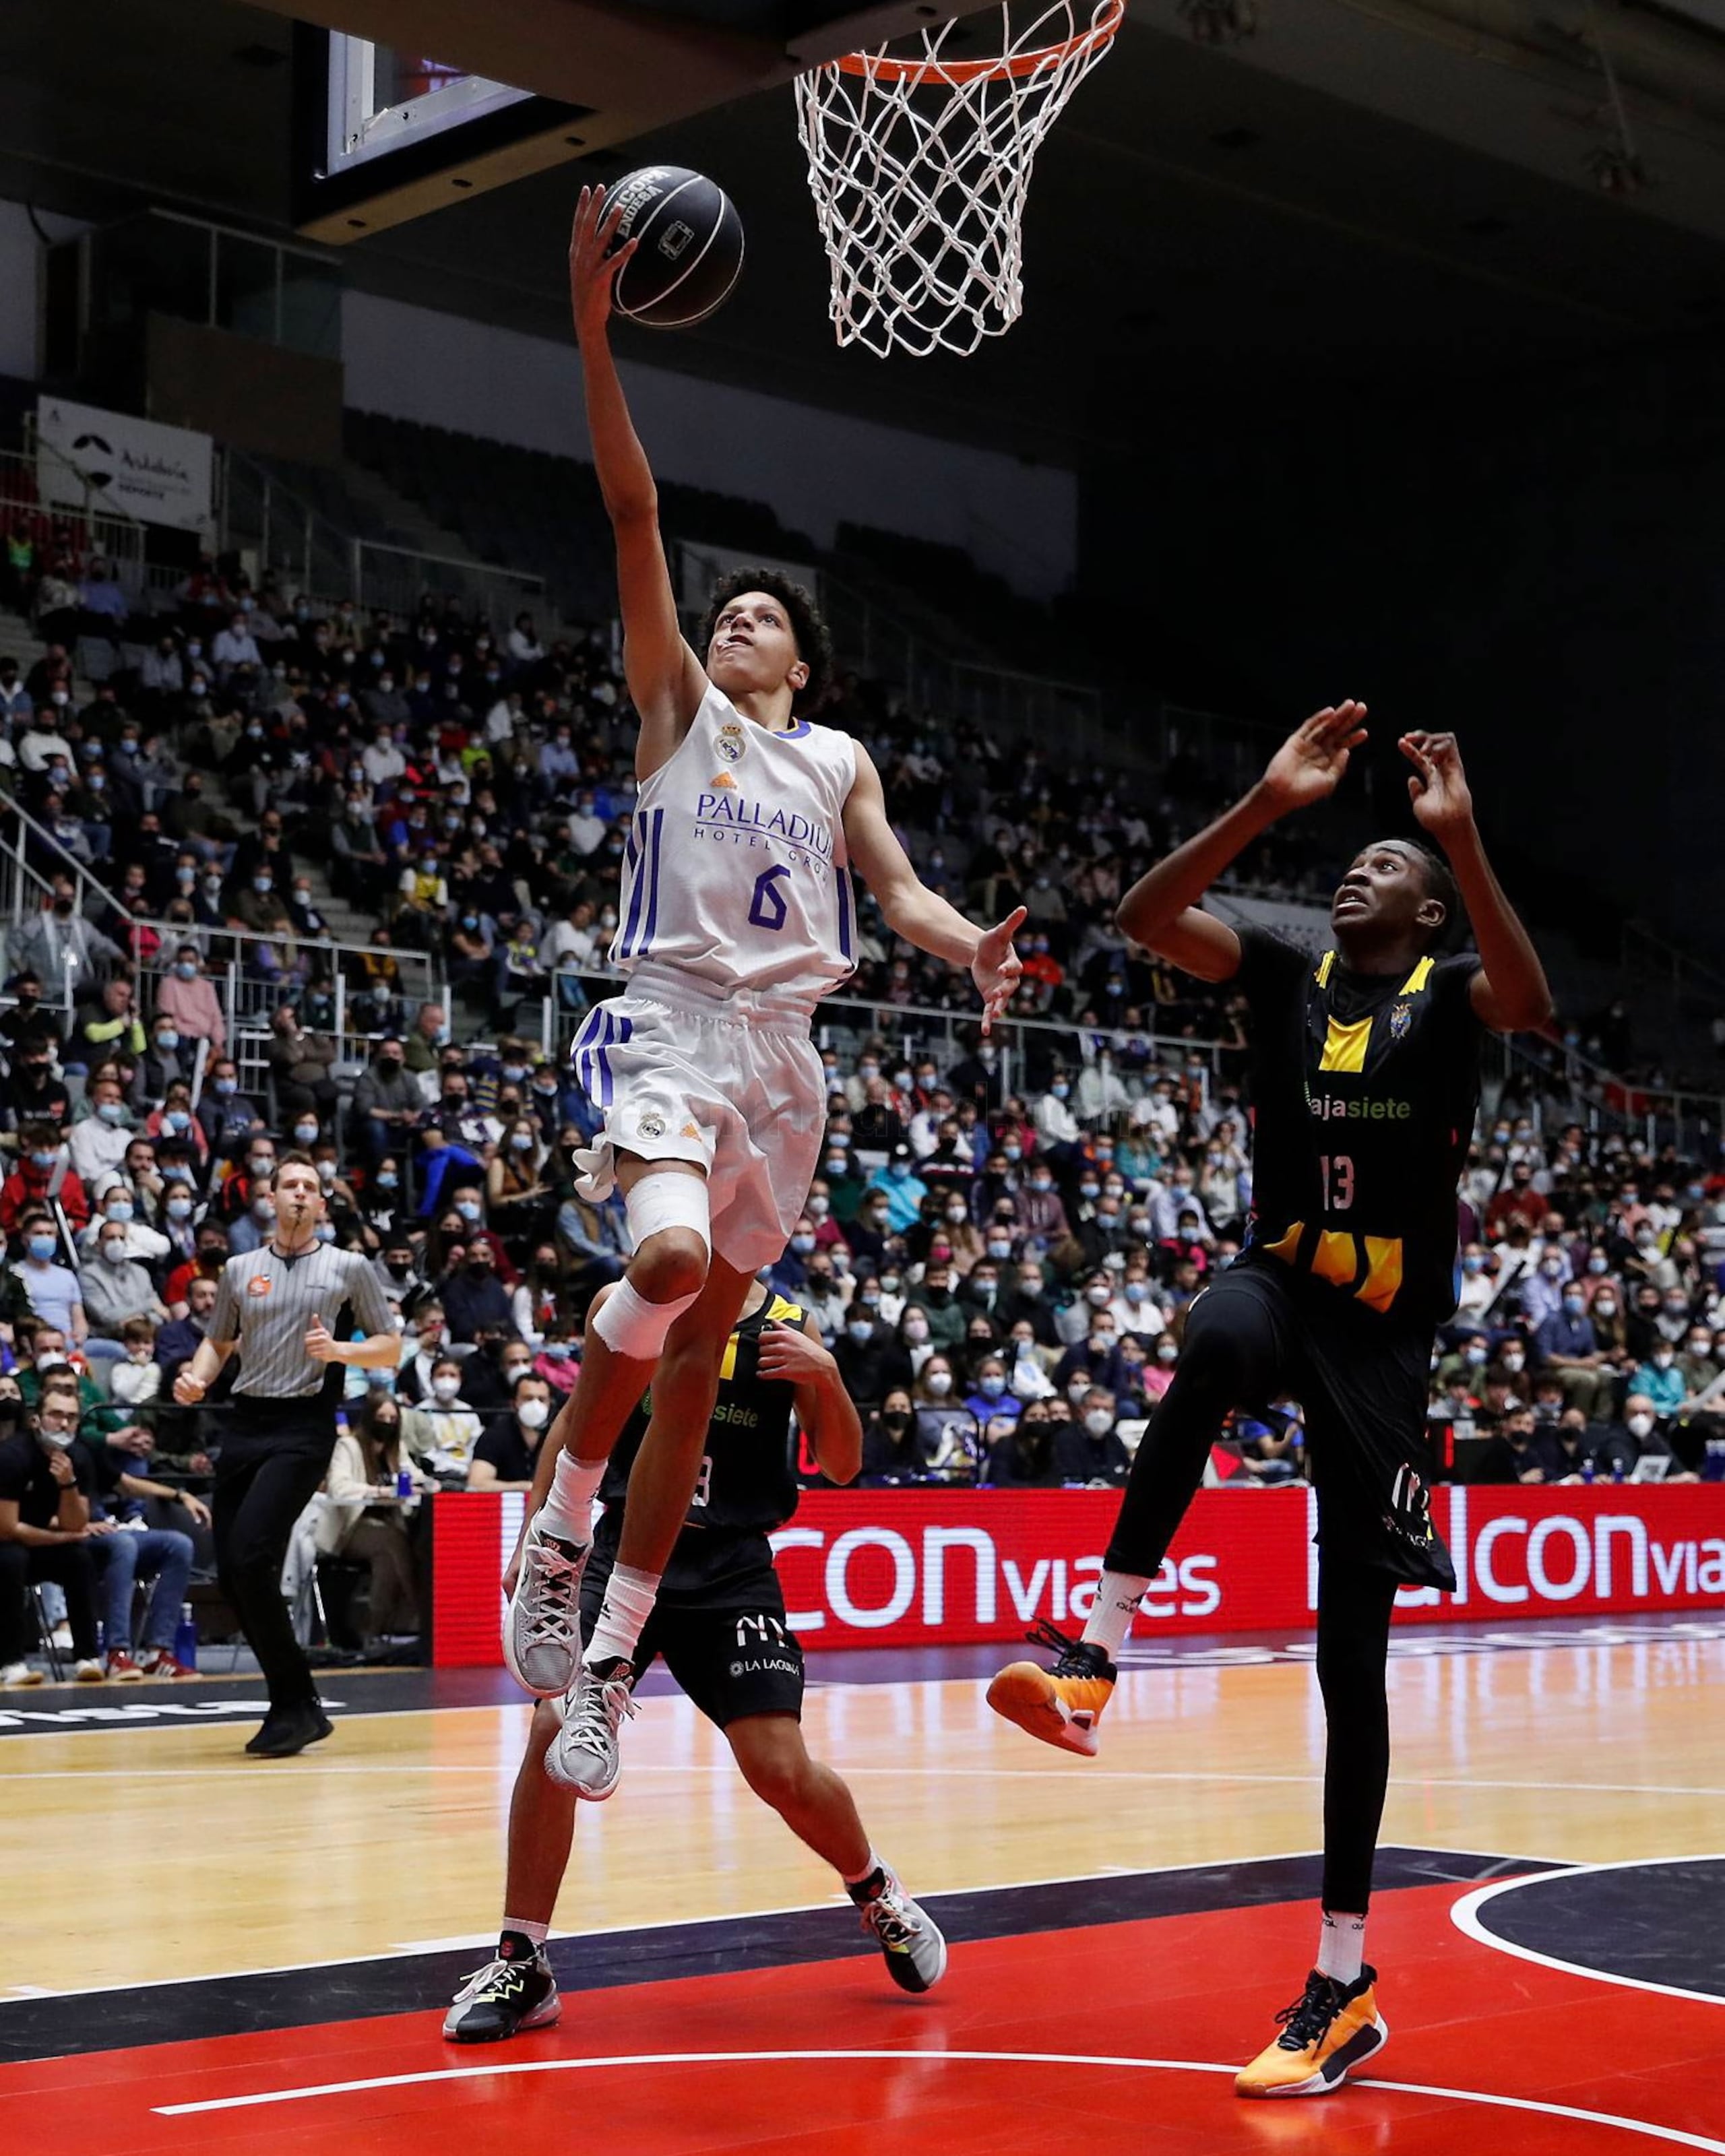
{"points": [[510, 1995]]}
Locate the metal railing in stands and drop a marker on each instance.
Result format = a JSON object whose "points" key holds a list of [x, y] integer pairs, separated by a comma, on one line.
{"points": [[307, 551], [98, 528], [1551, 1079], [31, 856], [1025, 1044]]}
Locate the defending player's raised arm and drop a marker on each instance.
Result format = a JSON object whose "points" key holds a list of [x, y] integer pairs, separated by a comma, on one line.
{"points": [[666, 681], [824, 1408], [1161, 910], [921, 916], [1510, 992]]}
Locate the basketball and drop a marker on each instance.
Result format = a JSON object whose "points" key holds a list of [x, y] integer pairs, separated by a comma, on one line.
{"points": [[691, 252]]}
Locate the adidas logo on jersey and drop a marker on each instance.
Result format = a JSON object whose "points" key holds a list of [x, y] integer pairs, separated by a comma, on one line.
{"points": [[724, 778]]}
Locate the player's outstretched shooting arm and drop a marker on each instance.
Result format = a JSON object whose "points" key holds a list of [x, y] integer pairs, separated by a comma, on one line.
{"points": [[1509, 993], [1161, 910], [666, 680]]}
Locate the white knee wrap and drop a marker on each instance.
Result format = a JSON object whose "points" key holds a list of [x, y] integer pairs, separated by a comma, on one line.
{"points": [[668, 1198], [632, 1327]]}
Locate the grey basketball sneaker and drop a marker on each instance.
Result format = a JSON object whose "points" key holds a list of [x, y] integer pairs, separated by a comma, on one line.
{"points": [[583, 1756], [542, 1627], [907, 1936]]}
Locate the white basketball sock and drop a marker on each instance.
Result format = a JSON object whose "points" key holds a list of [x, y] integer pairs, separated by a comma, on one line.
{"points": [[876, 1863], [1340, 1946], [567, 1513], [629, 1596], [1118, 1594]]}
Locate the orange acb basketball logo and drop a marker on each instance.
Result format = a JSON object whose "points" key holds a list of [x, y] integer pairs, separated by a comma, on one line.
{"points": [[258, 1284]]}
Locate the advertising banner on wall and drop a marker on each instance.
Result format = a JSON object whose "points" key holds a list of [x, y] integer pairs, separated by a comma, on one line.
{"points": [[925, 1568], [157, 475]]}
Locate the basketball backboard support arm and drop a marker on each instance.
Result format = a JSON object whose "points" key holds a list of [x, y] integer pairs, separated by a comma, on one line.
{"points": [[600, 73]]}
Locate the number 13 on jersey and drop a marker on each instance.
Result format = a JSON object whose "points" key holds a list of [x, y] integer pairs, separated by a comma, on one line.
{"points": [[1336, 1170]]}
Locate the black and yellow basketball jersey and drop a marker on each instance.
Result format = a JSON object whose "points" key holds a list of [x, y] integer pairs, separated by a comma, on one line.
{"points": [[1364, 1089], [746, 1485]]}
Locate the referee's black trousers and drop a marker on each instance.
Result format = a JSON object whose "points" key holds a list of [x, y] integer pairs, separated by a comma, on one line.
{"points": [[1233, 1355], [268, 1470]]}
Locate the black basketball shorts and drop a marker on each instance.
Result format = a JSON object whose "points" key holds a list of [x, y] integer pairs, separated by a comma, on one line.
{"points": [[1362, 1379], [723, 1637]]}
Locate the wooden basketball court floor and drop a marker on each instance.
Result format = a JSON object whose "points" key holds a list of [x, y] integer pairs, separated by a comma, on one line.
{"points": [[200, 1951]]}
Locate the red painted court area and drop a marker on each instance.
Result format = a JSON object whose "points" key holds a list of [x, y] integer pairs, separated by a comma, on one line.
{"points": [[1036, 2043]]}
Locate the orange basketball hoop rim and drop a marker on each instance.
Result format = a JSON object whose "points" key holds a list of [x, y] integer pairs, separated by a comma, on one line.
{"points": [[1002, 67]]}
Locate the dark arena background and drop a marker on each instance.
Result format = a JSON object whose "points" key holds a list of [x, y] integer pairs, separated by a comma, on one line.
{"points": [[1366, 351]]}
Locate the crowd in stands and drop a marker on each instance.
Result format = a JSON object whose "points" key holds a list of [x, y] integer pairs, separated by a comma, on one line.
{"points": [[1000, 1248]]}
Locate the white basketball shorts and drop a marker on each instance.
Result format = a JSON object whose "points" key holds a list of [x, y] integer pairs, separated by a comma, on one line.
{"points": [[737, 1092]]}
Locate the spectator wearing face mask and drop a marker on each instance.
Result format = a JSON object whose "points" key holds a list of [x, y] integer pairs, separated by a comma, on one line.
{"points": [[101, 1133], [43, 1175], [360, 1516], [173, 1123], [1466, 1365], [990, 1398], [52, 1289], [934, 1299], [1658, 1379], [114, 1288], [1056, 1127], [1513, 1455], [964, 1238], [1622, 1443], [301, 1062], [443, 1429], [1566, 1346], [165, 1062], [1566, 1449], [1024, 1458], [893, 1450], [1542, 1289], [188, 996], [1088, 1452], [904, 1190], [1074, 1319], [472, 1294], [504, 1456], [44, 1535], [1041, 1210]]}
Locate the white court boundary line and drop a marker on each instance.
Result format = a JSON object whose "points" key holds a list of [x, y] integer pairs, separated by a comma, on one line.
{"points": [[1674, 2135], [1465, 1915]]}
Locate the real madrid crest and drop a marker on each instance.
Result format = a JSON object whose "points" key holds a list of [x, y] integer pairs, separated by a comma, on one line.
{"points": [[651, 1127], [731, 741], [1401, 1020]]}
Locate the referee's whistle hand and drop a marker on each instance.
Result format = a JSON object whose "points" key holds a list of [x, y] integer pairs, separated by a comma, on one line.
{"points": [[319, 1345]]}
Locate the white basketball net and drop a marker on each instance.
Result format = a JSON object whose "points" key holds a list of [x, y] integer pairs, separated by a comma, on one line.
{"points": [[920, 163]]}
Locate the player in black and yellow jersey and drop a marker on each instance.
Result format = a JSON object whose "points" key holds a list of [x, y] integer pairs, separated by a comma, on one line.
{"points": [[720, 1624], [1365, 1080]]}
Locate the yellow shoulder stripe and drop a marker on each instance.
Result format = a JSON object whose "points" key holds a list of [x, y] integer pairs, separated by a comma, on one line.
{"points": [[1417, 979], [1324, 965]]}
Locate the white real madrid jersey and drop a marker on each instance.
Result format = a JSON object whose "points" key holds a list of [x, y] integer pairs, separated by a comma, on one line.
{"points": [[735, 870]]}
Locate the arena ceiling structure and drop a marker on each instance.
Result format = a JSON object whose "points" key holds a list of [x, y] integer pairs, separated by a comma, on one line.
{"points": [[1247, 195]]}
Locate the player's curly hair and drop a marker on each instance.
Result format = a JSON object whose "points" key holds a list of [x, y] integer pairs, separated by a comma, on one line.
{"points": [[813, 641]]}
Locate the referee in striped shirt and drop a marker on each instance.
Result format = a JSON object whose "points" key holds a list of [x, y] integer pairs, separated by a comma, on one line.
{"points": [[288, 1309]]}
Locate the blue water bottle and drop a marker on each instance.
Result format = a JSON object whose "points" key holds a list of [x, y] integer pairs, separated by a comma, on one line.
{"points": [[404, 1482], [185, 1638]]}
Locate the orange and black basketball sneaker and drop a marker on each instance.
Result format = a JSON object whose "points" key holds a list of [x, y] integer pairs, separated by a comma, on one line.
{"points": [[1331, 2029], [1061, 1705]]}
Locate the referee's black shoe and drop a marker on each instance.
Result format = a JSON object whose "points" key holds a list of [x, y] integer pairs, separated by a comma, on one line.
{"points": [[289, 1730]]}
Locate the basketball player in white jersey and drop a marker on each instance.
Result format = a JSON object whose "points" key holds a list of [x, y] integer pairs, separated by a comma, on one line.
{"points": [[735, 917]]}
